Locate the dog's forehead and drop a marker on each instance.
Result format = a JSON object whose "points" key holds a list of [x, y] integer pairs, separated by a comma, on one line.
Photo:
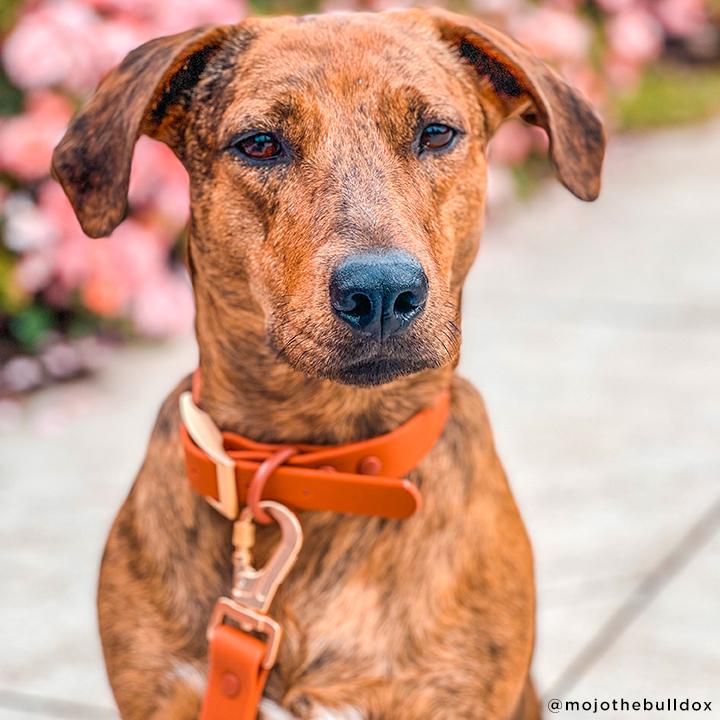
{"points": [[345, 54], [347, 36]]}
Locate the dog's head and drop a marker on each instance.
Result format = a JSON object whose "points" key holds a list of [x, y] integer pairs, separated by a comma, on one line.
{"points": [[337, 167]]}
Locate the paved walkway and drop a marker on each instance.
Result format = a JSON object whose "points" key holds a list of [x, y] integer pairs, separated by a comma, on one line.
{"points": [[593, 333]]}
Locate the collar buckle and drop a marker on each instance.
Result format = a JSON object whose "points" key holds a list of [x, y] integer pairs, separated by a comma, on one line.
{"points": [[207, 437]]}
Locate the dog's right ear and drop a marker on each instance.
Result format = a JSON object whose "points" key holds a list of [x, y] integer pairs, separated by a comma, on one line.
{"points": [[145, 94], [525, 86]]}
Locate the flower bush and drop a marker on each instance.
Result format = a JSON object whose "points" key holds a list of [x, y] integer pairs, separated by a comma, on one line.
{"points": [[60, 291]]}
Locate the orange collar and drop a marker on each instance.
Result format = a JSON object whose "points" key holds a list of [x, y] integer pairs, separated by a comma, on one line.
{"points": [[366, 477]]}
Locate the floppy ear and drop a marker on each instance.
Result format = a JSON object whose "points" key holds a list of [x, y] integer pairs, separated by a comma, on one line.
{"points": [[144, 94], [526, 86]]}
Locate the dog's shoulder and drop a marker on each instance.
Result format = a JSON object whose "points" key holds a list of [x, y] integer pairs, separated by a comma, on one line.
{"points": [[167, 422], [160, 502], [469, 421], [466, 455]]}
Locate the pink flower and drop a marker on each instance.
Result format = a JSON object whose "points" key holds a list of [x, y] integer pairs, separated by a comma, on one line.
{"points": [[635, 36], [27, 140], [26, 226], [500, 188], [57, 295], [72, 249], [565, 5], [172, 16], [143, 10], [34, 271], [554, 34], [496, 8], [125, 260], [379, 5], [54, 204], [118, 266], [339, 6], [539, 139], [115, 37], [54, 44], [682, 17], [66, 42], [176, 15], [73, 261], [105, 291], [511, 143], [163, 306], [621, 73], [159, 181], [588, 82], [133, 251], [615, 6]]}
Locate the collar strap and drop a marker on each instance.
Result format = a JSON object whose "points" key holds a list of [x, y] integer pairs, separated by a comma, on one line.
{"points": [[366, 477]]}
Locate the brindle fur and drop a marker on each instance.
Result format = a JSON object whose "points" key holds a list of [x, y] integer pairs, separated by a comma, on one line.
{"points": [[432, 617]]}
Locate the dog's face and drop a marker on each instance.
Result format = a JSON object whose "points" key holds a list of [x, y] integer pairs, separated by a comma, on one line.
{"points": [[348, 172], [337, 168]]}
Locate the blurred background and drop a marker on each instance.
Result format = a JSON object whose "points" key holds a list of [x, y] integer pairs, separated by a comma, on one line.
{"points": [[592, 331]]}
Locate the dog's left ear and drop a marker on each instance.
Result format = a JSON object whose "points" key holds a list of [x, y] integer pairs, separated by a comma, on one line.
{"points": [[526, 87], [146, 94]]}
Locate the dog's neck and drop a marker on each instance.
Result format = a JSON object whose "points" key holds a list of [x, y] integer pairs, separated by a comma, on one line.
{"points": [[247, 389]]}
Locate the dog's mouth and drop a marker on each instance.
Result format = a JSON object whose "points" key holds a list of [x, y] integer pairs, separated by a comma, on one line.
{"points": [[379, 370], [361, 363]]}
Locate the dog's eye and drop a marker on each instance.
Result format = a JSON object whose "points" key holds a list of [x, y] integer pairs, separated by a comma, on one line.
{"points": [[436, 137], [259, 146]]}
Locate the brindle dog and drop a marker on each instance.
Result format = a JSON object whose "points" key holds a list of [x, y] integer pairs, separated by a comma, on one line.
{"points": [[338, 172]]}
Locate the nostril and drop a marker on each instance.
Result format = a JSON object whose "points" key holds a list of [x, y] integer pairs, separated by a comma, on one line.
{"points": [[405, 303], [360, 305]]}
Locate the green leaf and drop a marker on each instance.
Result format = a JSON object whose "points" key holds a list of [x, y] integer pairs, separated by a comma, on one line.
{"points": [[11, 99], [283, 7], [12, 296], [8, 13], [31, 326], [670, 95]]}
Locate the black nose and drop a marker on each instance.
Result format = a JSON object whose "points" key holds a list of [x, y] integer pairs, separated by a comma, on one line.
{"points": [[378, 294]]}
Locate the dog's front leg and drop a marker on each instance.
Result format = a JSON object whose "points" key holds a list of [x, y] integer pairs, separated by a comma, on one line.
{"points": [[155, 668], [166, 562]]}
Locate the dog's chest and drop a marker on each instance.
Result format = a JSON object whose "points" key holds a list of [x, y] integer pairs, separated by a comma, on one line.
{"points": [[362, 610]]}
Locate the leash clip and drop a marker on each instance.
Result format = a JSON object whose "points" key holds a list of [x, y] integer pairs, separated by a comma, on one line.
{"points": [[256, 588], [253, 590]]}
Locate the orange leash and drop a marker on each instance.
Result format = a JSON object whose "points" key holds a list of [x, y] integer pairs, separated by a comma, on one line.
{"points": [[252, 482], [236, 677]]}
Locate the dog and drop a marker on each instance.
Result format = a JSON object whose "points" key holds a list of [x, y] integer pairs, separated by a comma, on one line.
{"points": [[325, 153]]}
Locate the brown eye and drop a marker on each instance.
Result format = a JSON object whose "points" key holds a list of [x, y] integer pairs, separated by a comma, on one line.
{"points": [[436, 137], [259, 146]]}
